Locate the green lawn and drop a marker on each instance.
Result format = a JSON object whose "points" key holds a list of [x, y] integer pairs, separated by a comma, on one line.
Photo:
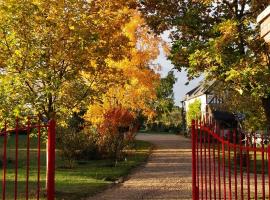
{"points": [[86, 178]]}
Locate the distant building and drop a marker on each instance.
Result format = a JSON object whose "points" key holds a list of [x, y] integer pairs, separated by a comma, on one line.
{"points": [[204, 93], [210, 104]]}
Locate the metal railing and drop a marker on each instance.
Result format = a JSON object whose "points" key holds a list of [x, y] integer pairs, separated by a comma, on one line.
{"points": [[14, 171], [227, 164]]}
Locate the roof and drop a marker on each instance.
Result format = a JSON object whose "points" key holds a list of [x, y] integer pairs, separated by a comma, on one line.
{"points": [[203, 88]]}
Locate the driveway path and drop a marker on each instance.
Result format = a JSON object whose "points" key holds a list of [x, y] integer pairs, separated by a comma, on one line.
{"points": [[166, 175]]}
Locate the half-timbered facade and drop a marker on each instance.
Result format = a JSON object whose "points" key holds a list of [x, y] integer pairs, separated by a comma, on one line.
{"points": [[204, 93]]}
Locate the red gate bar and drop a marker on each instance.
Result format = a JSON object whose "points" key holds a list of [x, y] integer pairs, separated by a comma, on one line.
{"points": [[4, 163], [255, 168], [248, 172], [235, 165], [214, 163], [193, 161], [263, 178], [241, 172], [229, 166], [223, 166], [201, 160], [205, 167], [209, 166], [51, 161], [38, 175], [16, 158], [197, 154], [27, 158], [219, 170]]}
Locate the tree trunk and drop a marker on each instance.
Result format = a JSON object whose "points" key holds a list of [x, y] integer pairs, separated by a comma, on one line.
{"points": [[266, 106]]}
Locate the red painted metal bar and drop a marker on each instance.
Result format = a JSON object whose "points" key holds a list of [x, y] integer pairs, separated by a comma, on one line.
{"points": [[235, 166], [214, 163], [27, 159], [248, 168], [229, 169], [197, 156], [16, 159], [4, 166], [209, 168], [51, 161], [263, 176], [241, 171], [205, 165], [223, 168], [201, 161], [255, 169], [219, 169], [38, 175]]}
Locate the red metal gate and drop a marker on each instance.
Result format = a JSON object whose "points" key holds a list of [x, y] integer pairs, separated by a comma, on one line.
{"points": [[22, 161], [226, 165]]}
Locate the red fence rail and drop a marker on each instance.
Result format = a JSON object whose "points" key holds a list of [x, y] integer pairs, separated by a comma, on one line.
{"points": [[22, 160], [229, 165]]}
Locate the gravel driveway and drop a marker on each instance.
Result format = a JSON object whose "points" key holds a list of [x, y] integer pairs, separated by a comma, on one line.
{"points": [[166, 175]]}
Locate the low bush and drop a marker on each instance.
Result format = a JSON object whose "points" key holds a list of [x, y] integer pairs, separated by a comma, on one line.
{"points": [[108, 140], [76, 145]]}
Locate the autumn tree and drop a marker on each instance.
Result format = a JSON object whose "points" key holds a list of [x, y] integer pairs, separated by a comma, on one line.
{"points": [[115, 116], [219, 39], [54, 54], [137, 90]]}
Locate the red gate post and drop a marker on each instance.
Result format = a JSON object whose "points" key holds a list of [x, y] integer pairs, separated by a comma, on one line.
{"points": [[51, 160], [194, 186]]}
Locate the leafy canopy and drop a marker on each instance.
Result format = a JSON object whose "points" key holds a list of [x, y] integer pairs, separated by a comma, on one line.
{"points": [[217, 38], [55, 55]]}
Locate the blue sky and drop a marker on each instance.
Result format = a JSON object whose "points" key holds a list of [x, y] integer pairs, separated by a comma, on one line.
{"points": [[180, 89]]}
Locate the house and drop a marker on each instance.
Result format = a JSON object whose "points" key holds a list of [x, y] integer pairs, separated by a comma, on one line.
{"points": [[211, 105], [204, 93]]}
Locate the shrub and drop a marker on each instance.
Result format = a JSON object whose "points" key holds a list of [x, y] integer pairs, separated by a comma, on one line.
{"points": [[116, 132], [76, 145]]}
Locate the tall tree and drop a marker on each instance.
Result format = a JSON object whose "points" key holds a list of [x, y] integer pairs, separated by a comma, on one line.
{"points": [[165, 94], [54, 53], [218, 38], [137, 89]]}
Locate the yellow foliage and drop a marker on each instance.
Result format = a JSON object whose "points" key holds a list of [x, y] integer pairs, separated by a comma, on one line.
{"points": [[137, 89]]}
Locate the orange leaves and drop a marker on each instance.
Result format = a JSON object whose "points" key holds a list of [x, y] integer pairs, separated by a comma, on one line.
{"points": [[137, 84], [114, 119]]}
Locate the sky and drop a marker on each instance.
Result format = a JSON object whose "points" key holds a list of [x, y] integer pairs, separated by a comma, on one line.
{"points": [[180, 89]]}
